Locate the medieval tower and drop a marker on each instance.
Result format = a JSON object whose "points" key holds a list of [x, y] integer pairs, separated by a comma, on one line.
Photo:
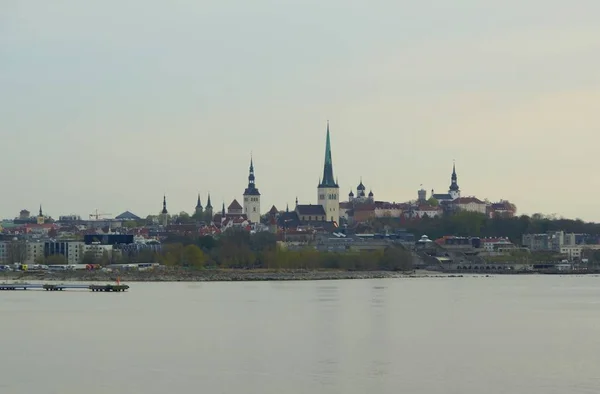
{"points": [[328, 189], [252, 197]]}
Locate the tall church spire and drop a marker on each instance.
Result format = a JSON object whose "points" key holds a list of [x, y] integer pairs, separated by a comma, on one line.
{"points": [[199, 203], [454, 179], [208, 204], [328, 179], [164, 210], [41, 214], [251, 190]]}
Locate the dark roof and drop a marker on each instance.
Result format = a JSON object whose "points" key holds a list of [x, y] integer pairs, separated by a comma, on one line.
{"points": [[445, 196], [128, 216], [251, 191], [310, 210], [288, 220], [361, 186], [217, 218], [234, 205], [273, 210]]}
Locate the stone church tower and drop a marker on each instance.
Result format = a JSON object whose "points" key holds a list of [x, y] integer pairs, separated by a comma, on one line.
{"points": [[328, 189], [252, 197]]}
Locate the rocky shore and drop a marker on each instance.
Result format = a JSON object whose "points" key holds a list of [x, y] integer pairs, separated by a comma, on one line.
{"points": [[206, 275]]}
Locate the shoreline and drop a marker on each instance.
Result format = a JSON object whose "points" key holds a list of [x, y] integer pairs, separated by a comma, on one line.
{"points": [[213, 275], [247, 275]]}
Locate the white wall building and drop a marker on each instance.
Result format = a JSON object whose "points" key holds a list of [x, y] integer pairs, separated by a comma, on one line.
{"points": [[470, 204]]}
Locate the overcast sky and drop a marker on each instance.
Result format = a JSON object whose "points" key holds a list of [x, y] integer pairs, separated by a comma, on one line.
{"points": [[109, 104]]}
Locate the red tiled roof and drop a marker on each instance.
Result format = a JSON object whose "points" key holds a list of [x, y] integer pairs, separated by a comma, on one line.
{"points": [[364, 208], [274, 211]]}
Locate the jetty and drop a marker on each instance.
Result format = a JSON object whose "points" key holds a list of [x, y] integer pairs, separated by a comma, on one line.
{"points": [[61, 287]]}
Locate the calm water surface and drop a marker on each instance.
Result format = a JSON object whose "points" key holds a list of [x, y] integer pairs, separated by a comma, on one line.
{"points": [[475, 335]]}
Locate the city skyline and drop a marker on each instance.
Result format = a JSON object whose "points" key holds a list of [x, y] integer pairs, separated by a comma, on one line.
{"points": [[97, 115]]}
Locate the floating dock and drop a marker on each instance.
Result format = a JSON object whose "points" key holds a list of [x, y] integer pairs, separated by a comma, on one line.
{"points": [[61, 287]]}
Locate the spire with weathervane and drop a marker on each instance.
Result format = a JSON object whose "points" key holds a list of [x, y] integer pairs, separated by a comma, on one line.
{"points": [[328, 190], [328, 180], [40, 218], [252, 196], [454, 190], [164, 214], [199, 209]]}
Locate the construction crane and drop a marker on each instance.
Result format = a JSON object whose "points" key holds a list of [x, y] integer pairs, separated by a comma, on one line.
{"points": [[97, 216]]}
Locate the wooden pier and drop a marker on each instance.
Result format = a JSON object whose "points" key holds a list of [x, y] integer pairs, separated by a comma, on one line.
{"points": [[61, 287]]}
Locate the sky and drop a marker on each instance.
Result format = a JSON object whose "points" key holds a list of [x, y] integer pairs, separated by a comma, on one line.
{"points": [[110, 104]]}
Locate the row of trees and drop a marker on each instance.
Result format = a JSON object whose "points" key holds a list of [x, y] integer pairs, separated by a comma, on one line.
{"points": [[241, 250], [479, 225]]}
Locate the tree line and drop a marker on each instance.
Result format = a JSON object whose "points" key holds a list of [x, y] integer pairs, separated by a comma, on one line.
{"points": [[236, 249], [473, 224]]}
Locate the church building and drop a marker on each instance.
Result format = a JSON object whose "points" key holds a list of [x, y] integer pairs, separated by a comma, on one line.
{"points": [[453, 191]]}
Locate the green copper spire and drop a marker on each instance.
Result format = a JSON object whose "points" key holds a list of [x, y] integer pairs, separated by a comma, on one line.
{"points": [[328, 179]]}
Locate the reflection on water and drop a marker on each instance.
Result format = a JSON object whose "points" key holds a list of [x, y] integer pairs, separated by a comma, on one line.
{"points": [[534, 335]]}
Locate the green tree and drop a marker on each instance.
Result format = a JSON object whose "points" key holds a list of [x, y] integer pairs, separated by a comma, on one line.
{"points": [[184, 218], [193, 257], [396, 259], [433, 202]]}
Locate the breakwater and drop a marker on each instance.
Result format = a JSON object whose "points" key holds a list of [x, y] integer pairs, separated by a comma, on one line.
{"points": [[207, 275]]}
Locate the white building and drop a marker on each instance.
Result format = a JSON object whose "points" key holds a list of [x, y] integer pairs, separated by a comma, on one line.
{"points": [[496, 244], [470, 204], [576, 252]]}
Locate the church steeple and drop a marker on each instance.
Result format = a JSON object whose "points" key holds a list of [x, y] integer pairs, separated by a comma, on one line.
{"points": [[40, 218], [454, 179], [199, 208], [208, 204], [251, 190], [328, 180], [164, 210]]}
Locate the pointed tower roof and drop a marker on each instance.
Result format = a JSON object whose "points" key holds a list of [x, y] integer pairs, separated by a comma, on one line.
{"points": [[360, 185], [198, 204], [164, 210], [208, 204], [454, 179], [41, 214], [223, 210], [328, 180], [251, 190]]}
